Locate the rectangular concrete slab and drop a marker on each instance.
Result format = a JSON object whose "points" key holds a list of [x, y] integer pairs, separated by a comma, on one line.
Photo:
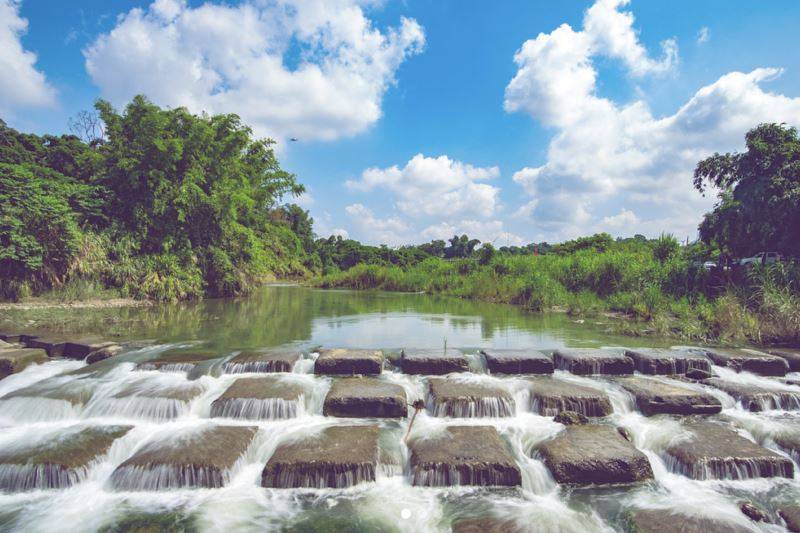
{"points": [[80, 348], [655, 397], [714, 451], [13, 360], [662, 361], [463, 455], [178, 360], [550, 396], [594, 455], [348, 362], [197, 458], [338, 457], [433, 362], [262, 398], [517, 362], [792, 356], [749, 361], [365, 398], [756, 398], [262, 361], [57, 462], [467, 399], [54, 346], [669, 521], [585, 361]]}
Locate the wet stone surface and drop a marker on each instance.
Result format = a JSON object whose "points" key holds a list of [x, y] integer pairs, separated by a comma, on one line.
{"points": [[338, 457], [463, 455], [550, 396], [791, 515], [464, 399], [655, 397], [348, 362], [713, 451], [586, 361], [365, 398], [669, 521], [262, 398], [262, 361], [789, 441], [517, 362], [757, 398], [179, 360], [486, 525], [14, 360], [747, 361], [662, 361], [433, 362], [594, 454], [791, 355]]}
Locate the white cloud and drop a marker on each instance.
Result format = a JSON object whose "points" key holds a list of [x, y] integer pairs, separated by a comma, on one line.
{"points": [[21, 84], [313, 69], [605, 154], [625, 219], [435, 187], [703, 35], [370, 228]]}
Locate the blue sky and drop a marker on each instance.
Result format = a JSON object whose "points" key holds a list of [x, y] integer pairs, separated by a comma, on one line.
{"points": [[511, 121]]}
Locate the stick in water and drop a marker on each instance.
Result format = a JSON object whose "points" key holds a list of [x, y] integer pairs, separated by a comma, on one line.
{"points": [[418, 405]]}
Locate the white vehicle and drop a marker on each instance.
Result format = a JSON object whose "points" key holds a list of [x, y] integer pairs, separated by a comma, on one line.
{"points": [[708, 265], [762, 258]]}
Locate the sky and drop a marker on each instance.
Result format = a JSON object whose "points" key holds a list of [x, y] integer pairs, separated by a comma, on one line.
{"points": [[511, 121]]}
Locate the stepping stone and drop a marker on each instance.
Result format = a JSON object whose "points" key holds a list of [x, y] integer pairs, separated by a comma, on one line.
{"points": [[79, 349], [655, 397], [365, 398], [10, 337], [486, 525], [74, 392], [517, 362], [791, 355], [550, 396], [266, 398], [338, 457], [757, 398], [433, 362], [13, 360], [464, 399], [717, 452], [669, 521], [262, 361], [346, 362], [746, 361], [146, 401], [790, 515], [57, 462], [197, 458], [178, 360], [789, 442], [594, 455], [463, 455], [52, 345], [103, 353], [660, 361], [584, 361]]}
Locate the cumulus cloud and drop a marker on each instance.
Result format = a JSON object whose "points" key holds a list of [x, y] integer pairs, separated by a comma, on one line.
{"points": [[703, 35], [435, 187], [371, 228], [604, 154], [314, 69], [21, 84]]}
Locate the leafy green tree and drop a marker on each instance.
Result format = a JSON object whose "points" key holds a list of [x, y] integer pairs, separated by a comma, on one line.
{"points": [[460, 247]]}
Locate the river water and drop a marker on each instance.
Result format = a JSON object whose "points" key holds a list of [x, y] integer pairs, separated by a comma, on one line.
{"points": [[306, 319]]}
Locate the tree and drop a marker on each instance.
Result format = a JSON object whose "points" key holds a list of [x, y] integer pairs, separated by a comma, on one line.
{"points": [[758, 193], [460, 247]]}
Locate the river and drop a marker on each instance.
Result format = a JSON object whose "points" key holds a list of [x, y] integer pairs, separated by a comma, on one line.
{"points": [[71, 398]]}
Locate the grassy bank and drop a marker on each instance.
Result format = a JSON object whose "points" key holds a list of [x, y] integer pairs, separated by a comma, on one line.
{"points": [[661, 295]]}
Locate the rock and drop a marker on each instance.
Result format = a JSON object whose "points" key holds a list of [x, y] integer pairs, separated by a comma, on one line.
{"points": [[467, 399], [670, 521], [789, 441], [463, 455], [757, 398], [13, 360], [79, 349], [103, 353], [696, 374], [570, 418], [654, 397], [714, 451], [338, 457], [660, 361], [550, 396], [792, 356], [52, 345], [747, 361], [753, 512], [485, 525], [11, 338], [433, 362], [584, 361], [274, 360], [791, 515], [346, 362], [58, 461], [178, 360], [517, 362], [594, 455], [199, 457], [365, 398], [264, 398]]}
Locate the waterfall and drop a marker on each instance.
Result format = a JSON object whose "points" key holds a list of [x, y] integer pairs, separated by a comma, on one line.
{"points": [[257, 409], [169, 367], [232, 367], [318, 476], [730, 468], [550, 406], [143, 407], [26, 477], [472, 407], [166, 476], [446, 474], [35, 409], [772, 400]]}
